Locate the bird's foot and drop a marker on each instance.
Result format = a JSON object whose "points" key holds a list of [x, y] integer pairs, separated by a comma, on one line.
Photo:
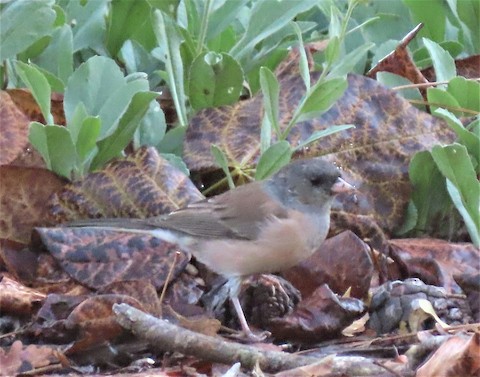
{"points": [[251, 337]]}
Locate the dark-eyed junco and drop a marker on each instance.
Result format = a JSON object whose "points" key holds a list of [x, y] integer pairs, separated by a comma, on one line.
{"points": [[264, 226]]}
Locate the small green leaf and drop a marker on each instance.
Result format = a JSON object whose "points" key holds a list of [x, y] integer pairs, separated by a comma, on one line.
{"points": [[222, 161], [455, 165], [169, 39], [172, 142], [438, 98], [443, 63], [304, 70], [332, 51], [114, 144], [87, 139], [56, 147], [22, 24], [39, 86], [321, 98], [468, 138], [271, 92], [274, 158], [215, 80], [349, 61], [322, 133], [432, 15], [466, 92]]}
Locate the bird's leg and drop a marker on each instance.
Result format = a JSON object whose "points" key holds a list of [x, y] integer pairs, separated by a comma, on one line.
{"points": [[234, 291]]}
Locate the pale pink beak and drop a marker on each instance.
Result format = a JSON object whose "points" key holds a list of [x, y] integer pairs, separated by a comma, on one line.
{"points": [[342, 186]]}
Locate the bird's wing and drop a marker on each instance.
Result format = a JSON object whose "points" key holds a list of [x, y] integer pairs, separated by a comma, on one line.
{"points": [[234, 214]]}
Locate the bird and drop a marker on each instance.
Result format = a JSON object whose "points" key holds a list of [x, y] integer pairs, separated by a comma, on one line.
{"points": [[261, 227]]}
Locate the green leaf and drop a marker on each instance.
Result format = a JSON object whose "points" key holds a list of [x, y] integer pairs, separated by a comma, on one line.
{"points": [[126, 19], [471, 222], [89, 24], [23, 23], [152, 127], [332, 52], [438, 98], [176, 161], [86, 144], [266, 18], [222, 161], [468, 138], [172, 142], [391, 80], [304, 70], [348, 62], [274, 158], [432, 15], [167, 6], [57, 58], [99, 84], [443, 63], [137, 59], [223, 17], [56, 147], [114, 144], [322, 133], [321, 98], [455, 164], [215, 80], [466, 92], [169, 39], [39, 86], [429, 195], [271, 92]]}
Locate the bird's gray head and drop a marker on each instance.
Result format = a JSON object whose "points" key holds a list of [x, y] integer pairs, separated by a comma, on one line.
{"points": [[305, 182]]}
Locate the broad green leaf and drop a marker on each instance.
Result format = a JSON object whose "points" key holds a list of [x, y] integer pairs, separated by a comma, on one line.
{"points": [[88, 22], [321, 98], [152, 127], [114, 144], [215, 80], [222, 161], [57, 58], [455, 164], [172, 142], [39, 86], [443, 63], [322, 133], [128, 20], [75, 124], [169, 39], [224, 41], [22, 23], [471, 219], [56, 147], [429, 195], [332, 51], [273, 159], [86, 144], [432, 15], [270, 91], [137, 59], [438, 98], [223, 16], [466, 92], [56, 85], [266, 18], [99, 84], [467, 138], [167, 6]]}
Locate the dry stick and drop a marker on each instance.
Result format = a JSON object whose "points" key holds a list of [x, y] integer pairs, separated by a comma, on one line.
{"points": [[169, 337], [162, 334]]}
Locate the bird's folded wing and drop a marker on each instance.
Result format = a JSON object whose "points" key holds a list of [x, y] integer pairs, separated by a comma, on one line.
{"points": [[237, 214]]}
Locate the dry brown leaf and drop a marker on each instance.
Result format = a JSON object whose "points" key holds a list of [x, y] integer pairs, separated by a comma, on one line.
{"points": [[23, 196], [17, 299], [14, 129], [141, 185], [98, 257], [458, 356]]}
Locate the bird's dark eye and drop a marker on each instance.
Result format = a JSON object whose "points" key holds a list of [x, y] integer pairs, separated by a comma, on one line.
{"points": [[317, 181]]}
